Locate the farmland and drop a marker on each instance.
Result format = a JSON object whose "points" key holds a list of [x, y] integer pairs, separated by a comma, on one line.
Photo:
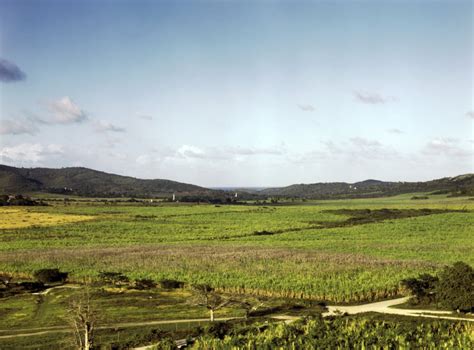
{"points": [[340, 251], [220, 245]]}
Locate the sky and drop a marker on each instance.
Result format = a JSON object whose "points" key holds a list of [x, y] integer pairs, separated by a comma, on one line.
{"points": [[239, 93]]}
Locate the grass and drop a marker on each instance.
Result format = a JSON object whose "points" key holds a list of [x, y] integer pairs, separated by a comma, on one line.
{"points": [[18, 218], [320, 249]]}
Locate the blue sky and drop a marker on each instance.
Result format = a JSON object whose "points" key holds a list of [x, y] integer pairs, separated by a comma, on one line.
{"points": [[239, 93]]}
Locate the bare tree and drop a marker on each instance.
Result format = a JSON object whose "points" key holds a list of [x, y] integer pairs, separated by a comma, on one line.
{"points": [[207, 297], [83, 318]]}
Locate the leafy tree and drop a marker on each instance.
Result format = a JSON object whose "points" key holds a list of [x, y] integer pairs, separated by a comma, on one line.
{"points": [[455, 288], [422, 288]]}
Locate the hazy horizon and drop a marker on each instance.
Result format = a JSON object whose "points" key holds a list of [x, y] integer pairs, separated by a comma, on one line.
{"points": [[239, 94]]}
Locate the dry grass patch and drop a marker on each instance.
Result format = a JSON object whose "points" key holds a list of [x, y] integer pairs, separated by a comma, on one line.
{"points": [[12, 218]]}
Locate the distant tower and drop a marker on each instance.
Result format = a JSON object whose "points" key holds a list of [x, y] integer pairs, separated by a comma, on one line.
{"points": [[174, 197], [235, 195]]}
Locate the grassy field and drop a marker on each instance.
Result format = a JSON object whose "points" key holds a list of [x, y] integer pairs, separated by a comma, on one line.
{"points": [[344, 251], [307, 250]]}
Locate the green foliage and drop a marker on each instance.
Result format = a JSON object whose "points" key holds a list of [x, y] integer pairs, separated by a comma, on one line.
{"points": [[459, 185], [144, 283], [83, 181], [343, 333], [50, 276], [360, 253], [455, 288], [171, 284], [422, 288], [115, 278]]}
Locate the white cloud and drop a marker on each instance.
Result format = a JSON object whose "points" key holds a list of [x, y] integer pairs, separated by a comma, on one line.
{"points": [[103, 126], [195, 153], [29, 153], [18, 127], [356, 148], [65, 111], [189, 151], [373, 98], [470, 114], [446, 146]]}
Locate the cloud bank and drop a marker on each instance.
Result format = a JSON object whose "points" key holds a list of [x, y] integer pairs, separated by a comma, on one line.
{"points": [[18, 127]]}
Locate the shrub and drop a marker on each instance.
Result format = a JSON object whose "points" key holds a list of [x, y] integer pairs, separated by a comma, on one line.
{"points": [[115, 278], [171, 284], [50, 276], [144, 283], [422, 287], [455, 288]]}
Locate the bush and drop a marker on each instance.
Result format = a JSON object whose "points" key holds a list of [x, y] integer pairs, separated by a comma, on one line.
{"points": [[50, 276], [422, 288], [115, 278], [144, 283], [455, 288], [171, 284]]}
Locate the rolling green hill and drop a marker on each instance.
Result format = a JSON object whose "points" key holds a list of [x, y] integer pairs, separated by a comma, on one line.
{"points": [[88, 182], [458, 185]]}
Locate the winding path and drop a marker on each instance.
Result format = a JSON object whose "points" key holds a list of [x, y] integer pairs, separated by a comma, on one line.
{"points": [[385, 307]]}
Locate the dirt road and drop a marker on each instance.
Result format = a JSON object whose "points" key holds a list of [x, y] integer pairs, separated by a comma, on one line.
{"points": [[386, 307]]}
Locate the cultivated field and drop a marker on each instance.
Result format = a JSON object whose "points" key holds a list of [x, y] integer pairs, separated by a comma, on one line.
{"points": [[306, 250], [346, 251]]}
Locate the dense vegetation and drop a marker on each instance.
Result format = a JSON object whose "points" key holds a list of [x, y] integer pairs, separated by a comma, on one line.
{"points": [[88, 182], [344, 333], [143, 260], [312, 251], [452, 289]]}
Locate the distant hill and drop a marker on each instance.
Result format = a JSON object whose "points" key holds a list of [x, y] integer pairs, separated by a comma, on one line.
{"points": [[459, 185], [88, 182]]}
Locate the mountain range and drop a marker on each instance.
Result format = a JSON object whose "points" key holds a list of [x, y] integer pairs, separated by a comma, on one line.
{"points": [[87, 182], [458, 185]]}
